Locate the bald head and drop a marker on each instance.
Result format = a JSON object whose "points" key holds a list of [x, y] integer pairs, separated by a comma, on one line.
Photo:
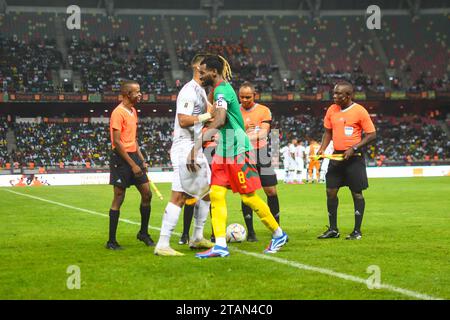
{"points": [[130, 91], [247, 95], [127, 86], [345, 87], [342, 94]]}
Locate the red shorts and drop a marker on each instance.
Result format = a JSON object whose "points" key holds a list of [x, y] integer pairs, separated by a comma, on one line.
{"points": [[238, 173]]}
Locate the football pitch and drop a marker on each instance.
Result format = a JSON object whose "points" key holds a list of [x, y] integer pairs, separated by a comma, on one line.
{"points": [[47, 232]]}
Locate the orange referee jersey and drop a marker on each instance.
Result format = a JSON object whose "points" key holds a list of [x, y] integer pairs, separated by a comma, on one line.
{"points": [[347, 125], [253, 118], [126, 122]]}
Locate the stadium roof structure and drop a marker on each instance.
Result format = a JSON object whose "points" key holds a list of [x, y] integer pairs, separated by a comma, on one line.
{"points": [[236, 4]]}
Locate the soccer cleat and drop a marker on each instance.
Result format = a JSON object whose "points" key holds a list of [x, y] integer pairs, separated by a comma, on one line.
{"points": [[145, 238], [184, 239], [276, 243], [113, 245], [214, 252], [355, 235], [167, 252], [251, 237], [201, 244], [329, 234]]}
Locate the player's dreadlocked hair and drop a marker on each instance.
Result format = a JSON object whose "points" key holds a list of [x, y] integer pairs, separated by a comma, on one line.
{"points": [[220, 64]]}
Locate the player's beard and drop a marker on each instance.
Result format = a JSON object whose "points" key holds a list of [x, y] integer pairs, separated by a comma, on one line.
{"points": [[207, 82]]}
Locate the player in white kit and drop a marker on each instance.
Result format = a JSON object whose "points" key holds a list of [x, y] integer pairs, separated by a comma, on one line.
{"points": [[191, 113], [326, 162], [293, 165], [286, 155], [300, 156]]}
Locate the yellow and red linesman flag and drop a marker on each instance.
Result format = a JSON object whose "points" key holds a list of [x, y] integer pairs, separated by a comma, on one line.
{"points": [[158, 194], [336, 157]]}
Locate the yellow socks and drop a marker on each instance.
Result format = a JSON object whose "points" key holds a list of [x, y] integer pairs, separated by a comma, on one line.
{"points": [[262, 210], [218, 210]]}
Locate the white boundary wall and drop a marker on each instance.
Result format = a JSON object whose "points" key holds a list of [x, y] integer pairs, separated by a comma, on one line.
{"points": [[103, 178]]}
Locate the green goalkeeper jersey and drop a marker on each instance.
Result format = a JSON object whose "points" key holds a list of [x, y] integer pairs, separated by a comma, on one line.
{"points": [[232, 137]]}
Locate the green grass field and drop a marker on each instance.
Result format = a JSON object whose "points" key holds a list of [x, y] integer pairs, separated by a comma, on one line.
{"points": [[405, 233]]}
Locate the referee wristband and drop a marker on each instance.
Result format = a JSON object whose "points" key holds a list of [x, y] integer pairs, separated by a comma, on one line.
{"points": [[204, 117]]}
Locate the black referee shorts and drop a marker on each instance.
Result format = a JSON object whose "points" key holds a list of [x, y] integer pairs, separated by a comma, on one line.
{"points": [[265, 170], [351, 173], [121, 174]]}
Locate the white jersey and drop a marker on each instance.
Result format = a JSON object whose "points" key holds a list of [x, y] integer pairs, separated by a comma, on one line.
{"points": [[300, 152], [292, 149], [192, 101], [285, 153]]}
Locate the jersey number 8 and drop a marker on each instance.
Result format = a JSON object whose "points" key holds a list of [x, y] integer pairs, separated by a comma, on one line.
{"points": [[241, 177]]}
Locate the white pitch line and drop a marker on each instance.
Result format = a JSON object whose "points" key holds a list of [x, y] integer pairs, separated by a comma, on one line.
{"points": [[294, 264]]}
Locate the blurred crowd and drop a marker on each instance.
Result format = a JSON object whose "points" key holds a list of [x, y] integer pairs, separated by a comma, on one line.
{"points": [[243, 65], [100, 66], [27, 67], [403, 140], [84, 144], [104, 64]]}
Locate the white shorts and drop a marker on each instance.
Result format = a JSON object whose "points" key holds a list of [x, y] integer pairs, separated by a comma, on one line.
{"points": [[178, 156], [300, 164], [324, 165], [289, 164]]}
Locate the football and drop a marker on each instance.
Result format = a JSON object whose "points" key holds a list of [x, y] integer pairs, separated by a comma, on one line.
{"points": [[236, 233]]}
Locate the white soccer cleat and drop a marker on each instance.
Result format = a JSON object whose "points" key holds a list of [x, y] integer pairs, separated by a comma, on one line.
{"points": [[167, 252]]}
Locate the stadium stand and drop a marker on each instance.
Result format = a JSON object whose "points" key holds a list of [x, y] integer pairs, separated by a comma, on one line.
{"points": [[241, 40], [315, 55], [27, 67], [103, 65], [425, 56], [4, 156], [326, 45], [74, 144], [319, 52], [143, 31], [27, 26]]}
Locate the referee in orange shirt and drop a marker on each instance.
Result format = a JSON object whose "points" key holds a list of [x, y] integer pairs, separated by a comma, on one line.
{"points": [[127, 165], [344, 123], [257, 120]]}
